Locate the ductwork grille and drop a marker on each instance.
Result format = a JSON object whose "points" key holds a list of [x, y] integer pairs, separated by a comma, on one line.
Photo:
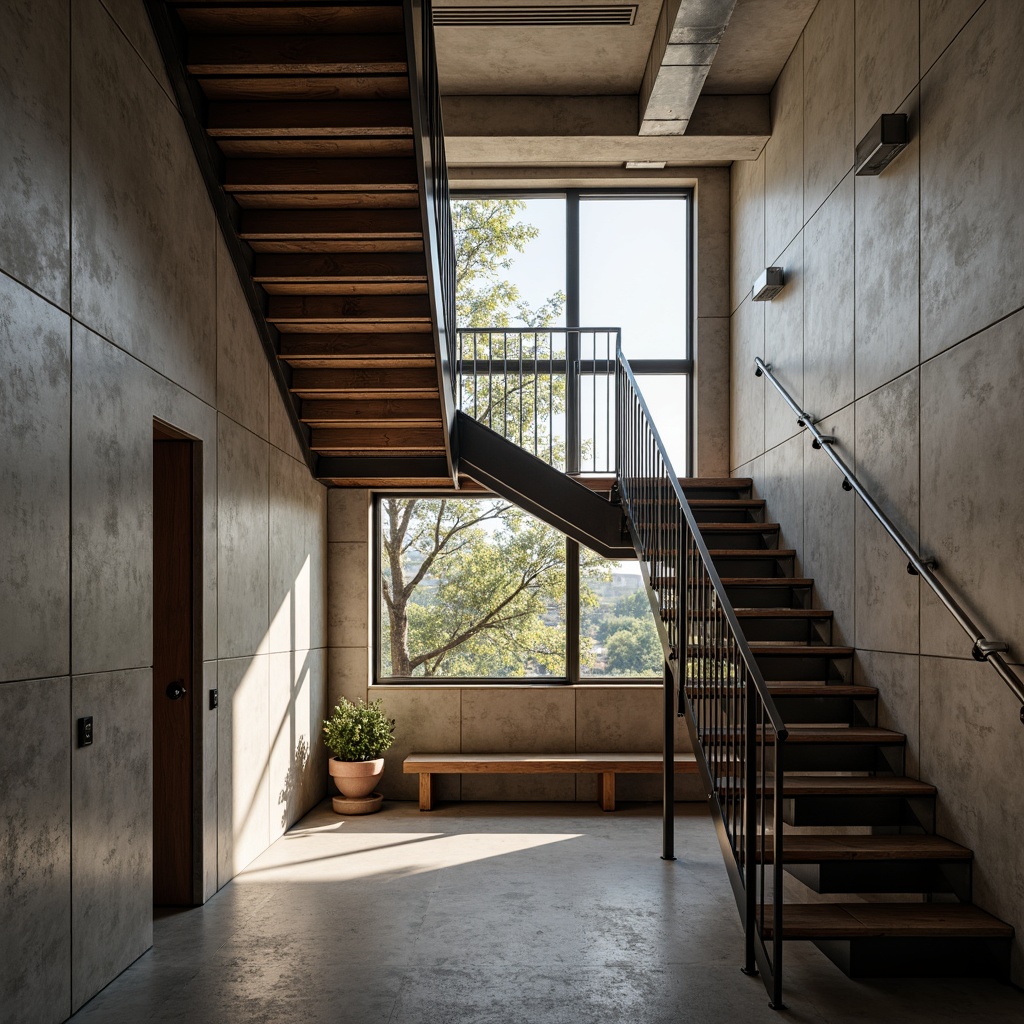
{"points": [[535, 14]]}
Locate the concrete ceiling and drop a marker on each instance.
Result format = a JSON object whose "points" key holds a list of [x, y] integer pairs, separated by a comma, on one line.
{"points": [[524, 96]]}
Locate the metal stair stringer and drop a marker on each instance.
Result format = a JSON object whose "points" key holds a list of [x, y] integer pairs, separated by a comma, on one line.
{"points": [[547, 493]]}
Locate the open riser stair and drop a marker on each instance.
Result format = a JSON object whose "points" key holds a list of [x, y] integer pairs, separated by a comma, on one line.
{"points": [[311, 126], [842, 773]]}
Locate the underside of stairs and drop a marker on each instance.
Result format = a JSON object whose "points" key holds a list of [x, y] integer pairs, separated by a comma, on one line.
{"points": [[877, 890], [308, 123]]}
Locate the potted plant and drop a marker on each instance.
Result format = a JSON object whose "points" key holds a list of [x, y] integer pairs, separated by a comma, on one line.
{"points": [[357, 735]]}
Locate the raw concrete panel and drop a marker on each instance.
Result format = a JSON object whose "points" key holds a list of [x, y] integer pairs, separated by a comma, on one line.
{"points": [[243, 535], [898, 680], [888, 244], [111, 507], [887, 51], [297, 755], [941, 21], [972, 162], [828, 304], [711, 396], [829, 548], [784, 346], [746, 226], [298, 539], [243, 391], [280, 430], [499, 719], [243, 762], [784, 160], [348, 613], [783, 490], [35, 124], [133, 21], [112, 838], [143, 232], [972, 505], [35, 850], [35, 406], [829, 100], [888, 458], [746, 401], [972, 749], [211, 781], [428, 720], [349, 514], [348, 674], [712, 222]]}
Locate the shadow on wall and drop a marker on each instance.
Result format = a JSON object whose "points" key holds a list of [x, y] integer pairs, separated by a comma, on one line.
{"points": [[272, 764]]}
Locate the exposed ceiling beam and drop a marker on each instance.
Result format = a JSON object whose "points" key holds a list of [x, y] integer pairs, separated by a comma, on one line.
{"points": [[597, 131], [685, 43]]}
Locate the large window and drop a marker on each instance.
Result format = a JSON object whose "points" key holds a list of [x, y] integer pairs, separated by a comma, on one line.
{"points": [[474, 588], [471, 587]]}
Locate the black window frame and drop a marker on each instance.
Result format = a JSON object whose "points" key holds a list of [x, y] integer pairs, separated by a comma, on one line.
{"points": [[641, 367]]}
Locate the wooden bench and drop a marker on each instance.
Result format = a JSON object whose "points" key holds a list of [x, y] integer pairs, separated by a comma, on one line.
{"points": [[605, 765]]}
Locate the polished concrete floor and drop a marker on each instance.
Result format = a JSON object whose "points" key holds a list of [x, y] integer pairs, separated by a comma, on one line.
{"points": [[494, 914]]}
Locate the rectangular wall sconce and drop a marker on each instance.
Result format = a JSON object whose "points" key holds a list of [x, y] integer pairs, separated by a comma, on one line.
{"points": [[888, 137], [769, 284]]}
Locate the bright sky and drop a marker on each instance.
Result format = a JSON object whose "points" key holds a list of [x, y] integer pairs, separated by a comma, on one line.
{"points": [[632, 275]]}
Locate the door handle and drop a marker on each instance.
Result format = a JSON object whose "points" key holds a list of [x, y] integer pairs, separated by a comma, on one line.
{"points": [[175, 690]]}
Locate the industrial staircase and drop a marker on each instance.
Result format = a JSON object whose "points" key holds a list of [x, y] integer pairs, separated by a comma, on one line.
{"points": [[317, 128], [856, 828]]}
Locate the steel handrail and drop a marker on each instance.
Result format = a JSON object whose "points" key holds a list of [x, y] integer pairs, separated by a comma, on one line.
{"points": [[983, 649], [778, 725]]}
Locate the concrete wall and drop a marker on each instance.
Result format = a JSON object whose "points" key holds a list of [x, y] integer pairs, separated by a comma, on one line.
{"points": [[901, 329], [487, 718], [118, 305]]}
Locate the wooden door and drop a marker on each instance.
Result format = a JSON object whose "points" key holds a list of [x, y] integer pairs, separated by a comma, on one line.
{"points": [[173, 686]]}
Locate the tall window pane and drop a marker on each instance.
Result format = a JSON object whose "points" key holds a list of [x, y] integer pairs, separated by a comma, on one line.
{"points": [[618, 635], [633, 271], [469, 588]]}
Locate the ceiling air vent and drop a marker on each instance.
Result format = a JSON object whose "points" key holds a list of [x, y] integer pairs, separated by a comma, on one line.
{"points": [[536, 15]]}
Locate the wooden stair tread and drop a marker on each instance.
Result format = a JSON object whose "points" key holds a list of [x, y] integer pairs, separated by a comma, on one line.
{"points": [[726, 502], [887, 920], [845, 734], [788, 649], [766, 581], [783, 613], [815, 849], [852, 785], [800, 688], [751, 552], [739, 527], [711, 483]]}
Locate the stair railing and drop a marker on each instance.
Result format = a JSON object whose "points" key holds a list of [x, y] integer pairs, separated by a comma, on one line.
{"points": [[737, 732], [982, 648], [432, 170], [520, 383]]}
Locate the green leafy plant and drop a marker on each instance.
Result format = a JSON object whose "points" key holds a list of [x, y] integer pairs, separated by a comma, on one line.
{"points": [[358, 732]]}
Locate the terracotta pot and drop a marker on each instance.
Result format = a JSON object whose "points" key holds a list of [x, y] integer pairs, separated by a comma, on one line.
{"points": [[356, 778]]}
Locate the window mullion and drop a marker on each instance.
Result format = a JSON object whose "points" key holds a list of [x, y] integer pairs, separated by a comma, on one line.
{"points": [[572, 611]]}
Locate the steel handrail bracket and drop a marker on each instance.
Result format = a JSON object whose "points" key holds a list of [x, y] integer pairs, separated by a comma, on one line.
{"points": [[982, 648], [737, 731]]}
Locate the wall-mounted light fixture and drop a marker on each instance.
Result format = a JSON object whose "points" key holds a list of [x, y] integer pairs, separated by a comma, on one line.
{"points": [[888, 137], [645, 165], [769, 284]]}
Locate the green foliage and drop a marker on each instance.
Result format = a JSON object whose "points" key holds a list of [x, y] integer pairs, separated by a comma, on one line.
{"points": [[488, 235], [634, 606], [471, 587], [358, 732], [634, 649]]}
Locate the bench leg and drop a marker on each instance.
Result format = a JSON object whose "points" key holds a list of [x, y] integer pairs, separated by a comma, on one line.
{"points": [[426, 791], [607, 794]]}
